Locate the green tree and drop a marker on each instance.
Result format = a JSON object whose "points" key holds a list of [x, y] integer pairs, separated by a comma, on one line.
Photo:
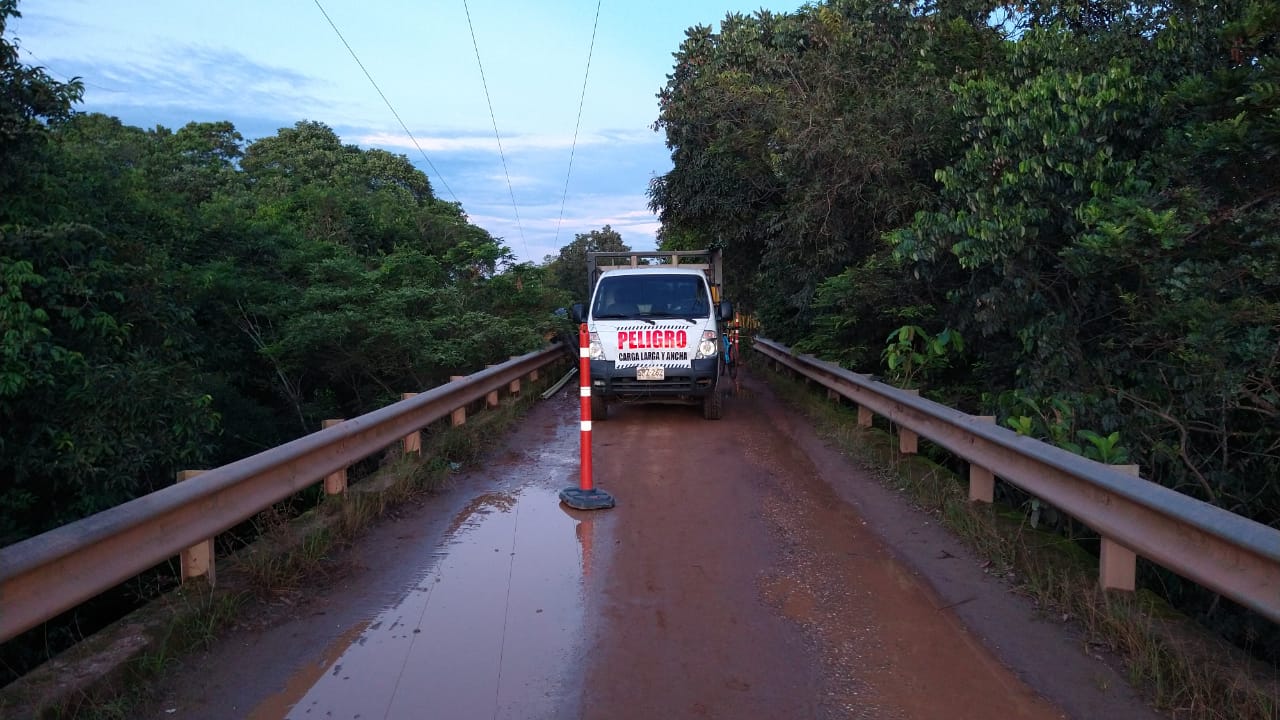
{"points": [[1087, 190], [568, 269], [29, 100], [180, 299], [798, 139], [99, 395]]}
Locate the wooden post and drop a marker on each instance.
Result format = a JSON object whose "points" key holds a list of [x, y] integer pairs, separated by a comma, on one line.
{"points": [[196, 560], [412, 441], [908, 440], [1117, 564], [982, 483], [336, 482], [491, 400], [533, 375], [833, 396], [459, 416], [864, 416], [514, 387]]}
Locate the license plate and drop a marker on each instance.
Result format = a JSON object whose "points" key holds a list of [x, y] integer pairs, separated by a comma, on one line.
{"points": [[651, 373]]}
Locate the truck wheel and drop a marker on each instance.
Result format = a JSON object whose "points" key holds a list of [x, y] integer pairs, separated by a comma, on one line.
{"points": [[713, 404], [599, 407]]}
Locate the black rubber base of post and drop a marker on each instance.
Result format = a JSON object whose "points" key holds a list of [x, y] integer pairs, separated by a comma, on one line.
{"points": [[580, 499]]}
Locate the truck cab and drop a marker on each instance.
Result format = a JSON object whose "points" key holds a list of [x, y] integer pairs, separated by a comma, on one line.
{"points": [[654, 323]]}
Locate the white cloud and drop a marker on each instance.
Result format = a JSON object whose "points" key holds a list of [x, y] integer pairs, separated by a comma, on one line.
{"points": [[515, 180], [542, 237], [513, 143]]}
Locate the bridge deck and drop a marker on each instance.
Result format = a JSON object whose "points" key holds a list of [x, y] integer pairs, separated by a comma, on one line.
{"points": [[737, 578]]}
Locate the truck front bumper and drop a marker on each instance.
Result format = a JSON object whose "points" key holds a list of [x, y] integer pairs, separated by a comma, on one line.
{"points": [[679, 383]]}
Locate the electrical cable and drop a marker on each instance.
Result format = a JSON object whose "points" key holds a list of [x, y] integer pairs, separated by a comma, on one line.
{"points": [[581, 100], [388, 102], [65, 78], [496, 136]]}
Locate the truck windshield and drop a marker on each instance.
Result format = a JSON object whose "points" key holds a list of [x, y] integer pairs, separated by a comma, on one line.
{"points": [[656, 296]]}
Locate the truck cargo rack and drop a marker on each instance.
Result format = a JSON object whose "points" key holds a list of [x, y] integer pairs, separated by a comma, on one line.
{"points": [[707, 261]]}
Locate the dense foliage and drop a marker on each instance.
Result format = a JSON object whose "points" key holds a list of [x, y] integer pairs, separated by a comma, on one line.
{"points": [[1087, 193], [567, 270], [180, 299]]}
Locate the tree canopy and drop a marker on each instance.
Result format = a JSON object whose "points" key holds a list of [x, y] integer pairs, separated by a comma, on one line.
{"points": [[567, 270], [182, 298], [1085, 192]]}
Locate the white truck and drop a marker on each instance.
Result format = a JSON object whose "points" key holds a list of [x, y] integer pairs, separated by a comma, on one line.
{"points": [[654, 323]]}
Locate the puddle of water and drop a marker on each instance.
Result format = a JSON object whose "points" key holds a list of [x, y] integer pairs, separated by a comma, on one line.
{"points": [[493, 630], [277, 705]]}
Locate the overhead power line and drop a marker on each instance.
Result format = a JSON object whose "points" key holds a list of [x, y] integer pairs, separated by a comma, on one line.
{"points": [[67, 78], [388, 102], [581, 100], [496, 136]]}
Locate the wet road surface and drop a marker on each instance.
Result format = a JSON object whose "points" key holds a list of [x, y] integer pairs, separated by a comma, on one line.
{"points": [[490, 630], [742, 587], [732, 581]]}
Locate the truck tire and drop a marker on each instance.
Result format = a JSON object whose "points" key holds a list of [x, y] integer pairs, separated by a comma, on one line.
{"points": [[599, 407], [713, 404]]}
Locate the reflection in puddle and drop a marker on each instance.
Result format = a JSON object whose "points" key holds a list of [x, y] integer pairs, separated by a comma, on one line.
{"points": [[492, 631]]}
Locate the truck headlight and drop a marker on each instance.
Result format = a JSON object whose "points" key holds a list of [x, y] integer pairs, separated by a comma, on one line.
{"points": [[597, 350], [706, 348]]}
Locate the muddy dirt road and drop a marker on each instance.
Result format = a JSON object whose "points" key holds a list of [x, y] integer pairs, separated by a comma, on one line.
{"points": [[747, 572]]}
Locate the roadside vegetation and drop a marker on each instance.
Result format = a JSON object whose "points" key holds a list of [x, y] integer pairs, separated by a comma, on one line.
{"points": [[296, 550], [174, 299], [1183, 669], [1063, 214]]}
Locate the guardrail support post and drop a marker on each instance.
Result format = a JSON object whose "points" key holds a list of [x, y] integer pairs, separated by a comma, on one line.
{"points": [[533, 376], [833, 396], [982, 482], [864, 416], [196, 560], [412, 441], [1117, 564], [491, 400], [336, 482], [908, 440], [459, 416]]}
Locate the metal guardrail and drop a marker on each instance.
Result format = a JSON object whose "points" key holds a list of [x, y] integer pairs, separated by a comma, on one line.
{"points": [[45, 575], [1228, 553]]}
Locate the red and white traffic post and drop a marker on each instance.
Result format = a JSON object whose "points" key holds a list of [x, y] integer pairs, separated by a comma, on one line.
{"points": [[586, 496]]}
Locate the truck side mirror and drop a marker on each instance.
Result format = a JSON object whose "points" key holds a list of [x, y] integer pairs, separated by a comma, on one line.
{"points": [[579, 313], [726, 310]]}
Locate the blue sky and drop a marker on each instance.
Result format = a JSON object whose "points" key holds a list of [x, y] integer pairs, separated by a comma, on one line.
{"points": [[265, 64]]}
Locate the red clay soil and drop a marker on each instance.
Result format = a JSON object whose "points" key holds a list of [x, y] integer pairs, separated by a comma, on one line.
{"points": [[741, 586], [748, 571]]}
